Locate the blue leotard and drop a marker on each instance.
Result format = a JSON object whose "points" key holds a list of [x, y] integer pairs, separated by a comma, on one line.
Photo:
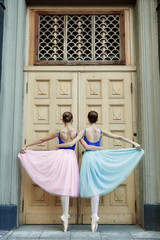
{"points": [[98, 143], [61, 142]]}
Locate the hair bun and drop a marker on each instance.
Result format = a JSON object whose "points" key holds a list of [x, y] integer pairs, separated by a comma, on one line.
{"points": [[93, 116], [67, 117]]}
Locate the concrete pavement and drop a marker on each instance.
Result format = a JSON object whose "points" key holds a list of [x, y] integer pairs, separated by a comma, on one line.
{"points": [[79, 232]]}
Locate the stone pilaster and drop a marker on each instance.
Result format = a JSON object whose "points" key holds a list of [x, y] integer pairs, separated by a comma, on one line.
{"points": [[148, 110], [11, 107]]}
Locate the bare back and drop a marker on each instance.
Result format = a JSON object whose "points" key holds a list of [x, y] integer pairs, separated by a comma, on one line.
{"points": [[67, 134], [93, 133]]}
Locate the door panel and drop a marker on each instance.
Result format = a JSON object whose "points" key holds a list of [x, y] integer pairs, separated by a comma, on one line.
{"points": [[110, 95], [49, 95]]}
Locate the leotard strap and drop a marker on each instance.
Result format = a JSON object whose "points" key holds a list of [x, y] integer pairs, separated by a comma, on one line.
{"points": [[101, 132]]}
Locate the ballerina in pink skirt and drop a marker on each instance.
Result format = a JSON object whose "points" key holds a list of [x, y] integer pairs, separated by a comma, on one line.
{"points": [[55, 171]]}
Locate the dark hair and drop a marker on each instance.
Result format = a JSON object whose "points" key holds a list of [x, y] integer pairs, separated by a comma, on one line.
{"points": [[92, 116], [67, 117]]}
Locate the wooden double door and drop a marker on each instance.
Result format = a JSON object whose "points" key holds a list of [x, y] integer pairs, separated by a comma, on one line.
{"points": [[48, 95]]}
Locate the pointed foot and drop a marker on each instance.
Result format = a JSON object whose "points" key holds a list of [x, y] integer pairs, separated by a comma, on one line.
{"points": [[94, 224]]}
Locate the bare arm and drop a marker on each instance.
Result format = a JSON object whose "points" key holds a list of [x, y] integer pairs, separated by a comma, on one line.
{"points": [[110, 135], [84, 144], [49, 137], [89, 147]]}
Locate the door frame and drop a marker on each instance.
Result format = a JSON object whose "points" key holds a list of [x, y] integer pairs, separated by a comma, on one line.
{"points": [[129, 67]]}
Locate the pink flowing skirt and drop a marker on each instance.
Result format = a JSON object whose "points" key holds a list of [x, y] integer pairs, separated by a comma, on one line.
{"points": [[55, 171]]}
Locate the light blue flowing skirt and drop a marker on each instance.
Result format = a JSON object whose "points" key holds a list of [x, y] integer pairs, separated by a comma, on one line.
{"points": [[104, 170]]}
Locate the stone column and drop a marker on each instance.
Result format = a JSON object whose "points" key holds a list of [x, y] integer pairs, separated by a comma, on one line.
{"points": [[148, 111], [11, 108]]}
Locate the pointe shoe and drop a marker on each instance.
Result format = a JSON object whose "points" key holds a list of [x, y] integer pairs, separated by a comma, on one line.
{"points": [[94, 225], [65, 222]]}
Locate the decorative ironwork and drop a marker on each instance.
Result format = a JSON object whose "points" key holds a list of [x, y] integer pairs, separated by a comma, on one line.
{"points": [[51, 38], [79, 38], [107, 37]]}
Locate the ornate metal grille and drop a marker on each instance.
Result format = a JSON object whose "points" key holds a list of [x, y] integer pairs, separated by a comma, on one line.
{"points": [[107, 37], [81, 39], [51, 38]]}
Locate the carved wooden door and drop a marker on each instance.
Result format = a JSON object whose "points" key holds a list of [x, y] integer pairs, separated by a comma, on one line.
{"points": [[49, 95], [110, 95]]}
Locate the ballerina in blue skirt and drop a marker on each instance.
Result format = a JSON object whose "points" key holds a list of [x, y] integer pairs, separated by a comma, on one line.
{"points": [[103, 170]]}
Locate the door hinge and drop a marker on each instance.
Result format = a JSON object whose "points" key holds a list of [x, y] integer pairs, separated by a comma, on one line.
{"points": [[22, 205], [27, 87], [135, 205], [25, 141], [131, 87]]}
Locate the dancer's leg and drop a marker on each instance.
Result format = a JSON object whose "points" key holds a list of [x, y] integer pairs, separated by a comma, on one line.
{"points": [[95, 218], [65, 209], [95, 205], [65, 205]]}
